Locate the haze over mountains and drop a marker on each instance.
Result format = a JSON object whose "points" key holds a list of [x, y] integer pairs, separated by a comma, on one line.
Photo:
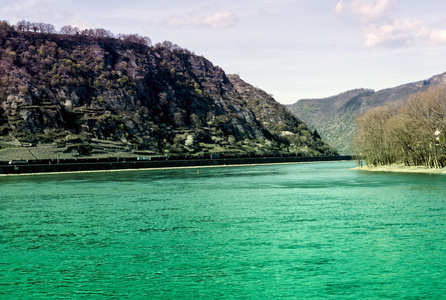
{"points": [[334, 117]]}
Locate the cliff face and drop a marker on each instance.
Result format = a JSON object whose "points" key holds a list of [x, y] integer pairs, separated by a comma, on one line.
{"points": [[79, 91], [334, 117]]}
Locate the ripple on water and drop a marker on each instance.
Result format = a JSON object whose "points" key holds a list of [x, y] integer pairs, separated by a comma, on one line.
{"points": [[303, 231]]}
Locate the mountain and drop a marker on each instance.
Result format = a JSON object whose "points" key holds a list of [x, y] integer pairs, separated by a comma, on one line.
{"points": [[334, 117], [88, 95]]}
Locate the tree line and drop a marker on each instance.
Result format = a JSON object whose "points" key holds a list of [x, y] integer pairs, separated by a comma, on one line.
{"points": [[40, 27], [410, 132]]}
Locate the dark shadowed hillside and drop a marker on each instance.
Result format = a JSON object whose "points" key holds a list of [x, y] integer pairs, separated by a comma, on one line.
{"points": [[334, 117], [98, 95]]}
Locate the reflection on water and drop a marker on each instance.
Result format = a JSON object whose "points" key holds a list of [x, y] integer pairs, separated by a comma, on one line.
{"points": [[301, 231]]}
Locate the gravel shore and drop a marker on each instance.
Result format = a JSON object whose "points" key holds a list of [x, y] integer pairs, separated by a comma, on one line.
{"points": [[400, 168]]}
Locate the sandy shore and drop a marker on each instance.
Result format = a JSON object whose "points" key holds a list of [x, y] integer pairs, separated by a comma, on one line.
{"points": [[400, 168]]}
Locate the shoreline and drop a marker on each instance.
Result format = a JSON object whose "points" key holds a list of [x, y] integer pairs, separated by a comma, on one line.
{"points": [[400, 168], [52, 166], [162, 168]]}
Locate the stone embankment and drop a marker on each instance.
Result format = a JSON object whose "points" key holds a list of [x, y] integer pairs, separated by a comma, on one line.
{"points": [[77, 165]]}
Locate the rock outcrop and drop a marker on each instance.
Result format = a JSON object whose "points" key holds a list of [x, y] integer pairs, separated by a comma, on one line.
{"points": [[75, 90]]}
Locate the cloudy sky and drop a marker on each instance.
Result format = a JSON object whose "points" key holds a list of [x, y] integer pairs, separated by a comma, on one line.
{"points": [[292, 49]]}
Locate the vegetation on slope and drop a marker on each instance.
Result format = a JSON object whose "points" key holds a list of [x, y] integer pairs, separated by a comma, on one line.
{"points": [[84, 90], [334, 117]]}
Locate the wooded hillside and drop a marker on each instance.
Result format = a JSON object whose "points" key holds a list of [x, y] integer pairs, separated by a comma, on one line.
{"points": [[89, 92], [334, 117]]}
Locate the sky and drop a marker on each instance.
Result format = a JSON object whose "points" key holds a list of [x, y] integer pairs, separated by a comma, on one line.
{"points": [[292, 49]]}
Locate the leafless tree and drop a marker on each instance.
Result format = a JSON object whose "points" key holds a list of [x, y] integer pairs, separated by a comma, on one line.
{"points": [[48, 28], [101, 32], [371, 138], [98, 32], [67, 29], [135, 38], [413, 134], [23, 25], [34, 27]]}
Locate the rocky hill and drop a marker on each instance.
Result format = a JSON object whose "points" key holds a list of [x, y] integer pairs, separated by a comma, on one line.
{"points": [[89, 95], [334, 117]]}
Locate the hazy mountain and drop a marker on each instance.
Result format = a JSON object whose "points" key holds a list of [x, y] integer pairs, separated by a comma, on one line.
{"points": [[334, 117]]}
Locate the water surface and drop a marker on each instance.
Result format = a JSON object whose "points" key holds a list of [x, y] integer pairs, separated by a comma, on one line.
{"points": [[302, 231]]}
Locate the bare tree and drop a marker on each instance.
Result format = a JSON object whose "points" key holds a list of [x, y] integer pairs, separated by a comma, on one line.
{"points": [[427, 115], [101, 32], [70, 30], [413, 134], [23, 25], [67, 29], [40, 27], [135, 38], [34, 27], [76, 31], [371, 139], [48, 28], [88, 32]]}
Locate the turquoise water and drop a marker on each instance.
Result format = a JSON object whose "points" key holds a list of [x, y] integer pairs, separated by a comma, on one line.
{"points": [[303, 231]]}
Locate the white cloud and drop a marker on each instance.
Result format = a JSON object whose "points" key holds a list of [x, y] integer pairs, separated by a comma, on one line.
{"points": [[424, 33], [401, 33], [220, 20], [382, 29], [217, 20], [438, 37], [366, 11]]}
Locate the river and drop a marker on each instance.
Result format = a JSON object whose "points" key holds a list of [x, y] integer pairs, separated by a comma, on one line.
{"points": [[298, 231]]}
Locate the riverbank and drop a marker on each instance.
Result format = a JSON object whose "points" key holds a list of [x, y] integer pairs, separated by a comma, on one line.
{"points": [[198, 168], [401, 168], [56, 166]]}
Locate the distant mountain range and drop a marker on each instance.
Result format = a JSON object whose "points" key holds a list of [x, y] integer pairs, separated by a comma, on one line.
{"points": [[334, 117], [90, 94]]}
